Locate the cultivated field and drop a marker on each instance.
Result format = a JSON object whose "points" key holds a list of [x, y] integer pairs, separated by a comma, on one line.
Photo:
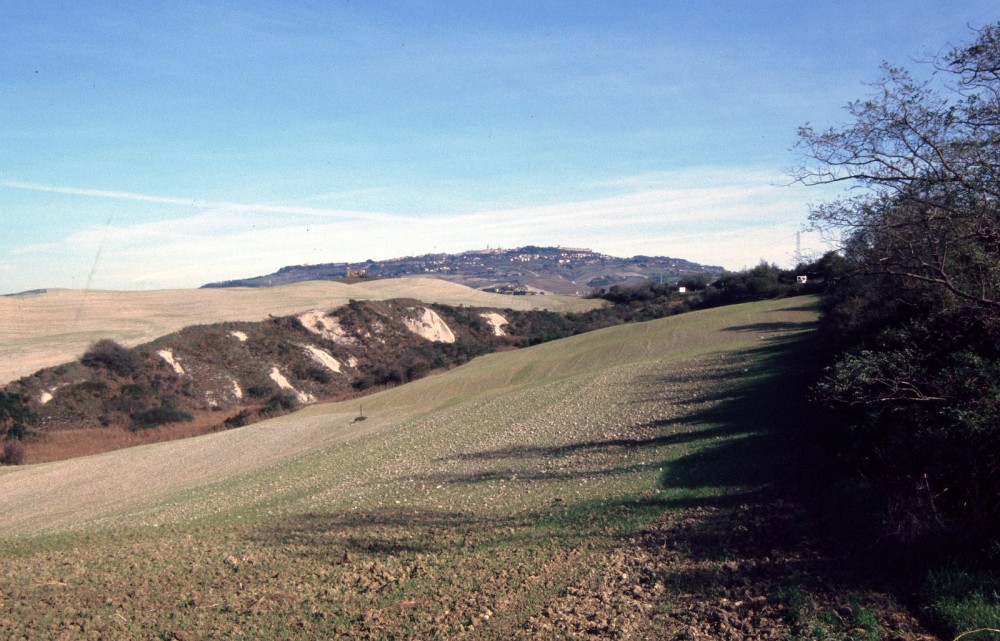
{"points": [[636, 482], [42, 330]]}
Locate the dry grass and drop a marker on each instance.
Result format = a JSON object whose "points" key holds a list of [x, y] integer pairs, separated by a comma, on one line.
{"points": [[58, 445], [43, 330]]}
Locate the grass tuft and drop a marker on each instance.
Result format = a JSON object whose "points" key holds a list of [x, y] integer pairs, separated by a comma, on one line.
{"points": [[961, 600]]}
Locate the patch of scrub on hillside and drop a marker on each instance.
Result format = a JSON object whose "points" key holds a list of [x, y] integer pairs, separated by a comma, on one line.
{"points": [[48, 395]]}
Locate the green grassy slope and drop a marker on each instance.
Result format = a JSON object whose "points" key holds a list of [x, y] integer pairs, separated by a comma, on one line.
{"points": [[638, 482], [601, 385]]}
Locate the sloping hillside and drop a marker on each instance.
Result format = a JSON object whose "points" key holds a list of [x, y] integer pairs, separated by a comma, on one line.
{"points": [[45, 329], [592, 386], [558, 270], [226, 375], [231, 374], [647, 481]]}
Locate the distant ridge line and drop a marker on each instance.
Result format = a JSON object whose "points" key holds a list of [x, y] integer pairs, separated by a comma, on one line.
{"points": [[557, 270]]}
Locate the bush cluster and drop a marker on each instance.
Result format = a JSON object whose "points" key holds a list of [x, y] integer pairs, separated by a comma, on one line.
{"points": [[14, 416], [240, 419], [156, 416], [111, 356], [912, 327], [12, 453], [283, 401]]}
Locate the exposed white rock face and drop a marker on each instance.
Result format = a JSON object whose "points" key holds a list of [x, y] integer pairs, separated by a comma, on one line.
{"points": [[237, 390], [283, 383], [323, 357], [496, 321], [238, 335], [45, 397], [317, 322], [430, 326], [168, 356]]}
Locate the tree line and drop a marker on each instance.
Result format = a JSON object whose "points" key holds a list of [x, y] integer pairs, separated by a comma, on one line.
{"points": [[911, 325]]}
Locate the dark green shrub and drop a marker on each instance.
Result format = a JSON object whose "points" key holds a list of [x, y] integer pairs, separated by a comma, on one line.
{"points": [[111, 356], [695, 282], [240, 419], [259, 391], [283, 401], [131, 398], [313, 373], [12, 453], [14, 416], [156, 416], [417, 369]]}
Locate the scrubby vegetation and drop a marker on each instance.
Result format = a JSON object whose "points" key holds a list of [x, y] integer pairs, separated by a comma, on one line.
{"points": [[156, 416], [279, 403], [763, 282], [239, 419], [12, 453], [14, 416], [112, 356], [231, 367], [911, 327]]}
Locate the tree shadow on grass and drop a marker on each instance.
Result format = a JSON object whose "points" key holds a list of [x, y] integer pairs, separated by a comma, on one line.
{"points": [[754, 492], [388, 531], [764, 505], [764, 424], [771, 328], [615, 444], [736, 457]]}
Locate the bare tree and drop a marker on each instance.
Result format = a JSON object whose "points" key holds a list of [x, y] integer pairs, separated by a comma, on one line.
{"points": [[922, 158]]}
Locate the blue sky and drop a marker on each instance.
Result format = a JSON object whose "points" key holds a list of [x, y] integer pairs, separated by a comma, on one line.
{"points": [[160, 145]]}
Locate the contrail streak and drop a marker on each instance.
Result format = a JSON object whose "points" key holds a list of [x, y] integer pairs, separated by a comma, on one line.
{"points": [[198, 203]]}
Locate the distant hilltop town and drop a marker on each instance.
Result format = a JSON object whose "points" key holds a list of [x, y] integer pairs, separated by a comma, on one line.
{"points": [[521, 271]]}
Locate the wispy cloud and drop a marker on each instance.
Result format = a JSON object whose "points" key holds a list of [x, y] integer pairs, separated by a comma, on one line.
{"points": [[733, 223], [197, 203]]}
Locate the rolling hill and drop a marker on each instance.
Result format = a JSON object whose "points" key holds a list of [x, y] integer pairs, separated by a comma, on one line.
{"points": [[51, 327], [640, 482], [524, 270], [211, 377]]}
